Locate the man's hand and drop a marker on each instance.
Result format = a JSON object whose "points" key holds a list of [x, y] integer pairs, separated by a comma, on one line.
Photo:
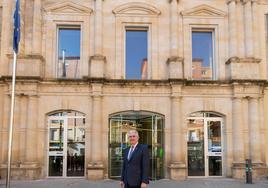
{"points": [[143, 185], [122, 185]]}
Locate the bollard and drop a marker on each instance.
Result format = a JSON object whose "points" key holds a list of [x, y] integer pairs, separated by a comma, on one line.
{"points": [[248, 171]]}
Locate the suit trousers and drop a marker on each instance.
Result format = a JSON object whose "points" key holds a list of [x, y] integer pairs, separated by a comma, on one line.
{"points": [[128, 186]]}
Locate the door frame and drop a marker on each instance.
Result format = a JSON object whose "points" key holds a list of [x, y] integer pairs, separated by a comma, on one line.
{"points": [[153, 116], [65, 143], [206, 153]]}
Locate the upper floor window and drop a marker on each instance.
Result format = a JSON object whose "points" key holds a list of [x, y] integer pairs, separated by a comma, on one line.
{"points": [[202, 55], [68, 52], [136, 53]]}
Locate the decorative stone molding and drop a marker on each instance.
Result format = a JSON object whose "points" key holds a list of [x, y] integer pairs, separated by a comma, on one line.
{"points": [[67, 8], [175, 65], [204, 11], [136, 9], [34, 64], [243, 68]]}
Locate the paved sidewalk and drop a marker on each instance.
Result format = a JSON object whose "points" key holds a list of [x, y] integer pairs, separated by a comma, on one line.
{"points": [[82, 183]]}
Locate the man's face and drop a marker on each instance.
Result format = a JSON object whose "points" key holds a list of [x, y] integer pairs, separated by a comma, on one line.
{"points": [[133, 138]]}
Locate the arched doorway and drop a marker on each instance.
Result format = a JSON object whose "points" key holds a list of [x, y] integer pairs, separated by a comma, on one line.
{"points": [[66, 144], [205, 144], [151, 131]]}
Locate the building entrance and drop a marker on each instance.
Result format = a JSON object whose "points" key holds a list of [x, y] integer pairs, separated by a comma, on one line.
{"points": [[66, 144], [205, 144], [150, 127]]}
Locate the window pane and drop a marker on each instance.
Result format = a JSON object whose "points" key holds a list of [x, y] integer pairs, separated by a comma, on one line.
{"points": [[68, 52], [195, 145], [202, 56], [136, 54]]}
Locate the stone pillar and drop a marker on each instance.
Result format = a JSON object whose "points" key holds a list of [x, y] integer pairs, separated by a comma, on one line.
{"points": [[97, 62], [95, 167], [23, 126], [256, 31], [22, 27], [238, 142], [98, 27], [232, 28], [240, 29], [254, 130], [175, 63], [177, 165], [174, 28], [5, 135], [248, 26], [5, 35], [31, 166], [37, 28]]}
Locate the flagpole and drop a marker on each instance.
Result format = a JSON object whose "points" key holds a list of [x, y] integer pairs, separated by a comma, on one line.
{"points": [[11, 121]]}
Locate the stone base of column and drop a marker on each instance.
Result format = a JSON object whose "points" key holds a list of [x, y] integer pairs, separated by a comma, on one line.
{"points": [[34, 64], [259, 171], [22, 171], [175, 65], [97, 66], [178, 171], [239, 171], [243, 68], [95, 171]]}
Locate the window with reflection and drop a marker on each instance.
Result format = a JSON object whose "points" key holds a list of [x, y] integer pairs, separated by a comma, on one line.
{"points": [[69, 39], [136, 53], [202, 55]]}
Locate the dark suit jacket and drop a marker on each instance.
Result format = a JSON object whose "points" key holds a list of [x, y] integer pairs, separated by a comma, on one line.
{"points": [[135, 170]]}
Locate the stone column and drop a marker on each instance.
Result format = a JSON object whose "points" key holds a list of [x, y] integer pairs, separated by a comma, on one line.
{"points": [[248, 28], [96, 66], [5, 135], [256, 31], [95, 166], [5, 35], [177, 165], [238, 142], [31, 165], [174, 28], [175, 63], [98, 27], [23, 126], [22, 27], [254, 130], [232, 28], [37, 28]]}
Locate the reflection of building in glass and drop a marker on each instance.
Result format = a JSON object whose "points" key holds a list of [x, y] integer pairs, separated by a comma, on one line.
{"points": [[199, 71], [69, 68], [144, 67]]}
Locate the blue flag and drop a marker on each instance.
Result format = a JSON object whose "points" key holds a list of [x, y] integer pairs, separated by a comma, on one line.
{"points": [[16, 34]]}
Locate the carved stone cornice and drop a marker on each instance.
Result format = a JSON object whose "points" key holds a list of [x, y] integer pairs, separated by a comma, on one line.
{"points": [[243, 60]]}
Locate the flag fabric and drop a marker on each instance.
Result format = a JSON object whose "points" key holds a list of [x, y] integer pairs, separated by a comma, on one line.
{"points": [[16, 34]]}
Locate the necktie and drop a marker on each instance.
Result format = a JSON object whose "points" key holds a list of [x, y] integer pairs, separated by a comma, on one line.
{"points": [[130, 152]]}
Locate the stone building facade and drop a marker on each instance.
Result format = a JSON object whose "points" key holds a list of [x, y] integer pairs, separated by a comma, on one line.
{"points": [[75, 124]]}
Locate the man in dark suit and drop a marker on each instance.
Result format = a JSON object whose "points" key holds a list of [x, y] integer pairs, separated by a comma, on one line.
{"points": [[135, 163]]}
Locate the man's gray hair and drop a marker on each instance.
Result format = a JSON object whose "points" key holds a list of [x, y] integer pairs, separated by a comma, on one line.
{"points": [[133, 131]]}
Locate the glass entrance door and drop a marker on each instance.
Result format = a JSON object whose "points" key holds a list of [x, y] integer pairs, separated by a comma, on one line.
{"points": [[205, 146], [150, 128], [66, 153]]}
